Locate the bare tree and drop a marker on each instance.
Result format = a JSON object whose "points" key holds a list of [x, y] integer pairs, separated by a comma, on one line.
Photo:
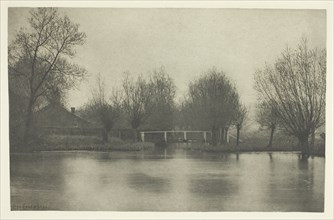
{"points": [[103, 110], [296, 86], [266, 116], [240, 117], [212, 102], [134, 101], [160, 106], [184, 115], [39, 56]]}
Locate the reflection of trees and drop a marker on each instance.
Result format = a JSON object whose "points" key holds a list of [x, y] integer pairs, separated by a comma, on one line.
{"points": [[292, 189], [144, 182], [213, 186], [215, 192], [38, 181]]}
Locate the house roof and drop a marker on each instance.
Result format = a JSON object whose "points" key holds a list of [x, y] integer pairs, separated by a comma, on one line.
{"points": [[55, 115]]}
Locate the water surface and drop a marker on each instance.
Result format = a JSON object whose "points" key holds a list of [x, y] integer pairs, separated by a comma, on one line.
{"points": [[166, 180]]}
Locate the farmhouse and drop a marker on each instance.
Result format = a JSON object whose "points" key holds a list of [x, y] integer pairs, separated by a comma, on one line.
{"points": [[56, 119]]}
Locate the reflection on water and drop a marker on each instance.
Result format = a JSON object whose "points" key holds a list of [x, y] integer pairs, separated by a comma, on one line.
{"points": [[212, 187], [166, 180], [144, 182]]}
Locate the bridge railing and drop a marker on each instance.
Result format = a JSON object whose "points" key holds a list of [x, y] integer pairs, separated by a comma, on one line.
{"points": [[167, 136]]}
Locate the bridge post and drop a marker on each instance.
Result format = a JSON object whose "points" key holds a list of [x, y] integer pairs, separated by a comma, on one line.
{"points": [[142, 134], [165, 136], [204, 134], [185, 135]]}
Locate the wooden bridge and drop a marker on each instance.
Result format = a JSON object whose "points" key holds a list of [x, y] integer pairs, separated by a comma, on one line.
{"points": [[183, 136]]}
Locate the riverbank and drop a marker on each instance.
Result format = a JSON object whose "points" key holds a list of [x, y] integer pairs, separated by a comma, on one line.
{"points": [[97, 147], [94, 143], [80, 143], [230, 148]]}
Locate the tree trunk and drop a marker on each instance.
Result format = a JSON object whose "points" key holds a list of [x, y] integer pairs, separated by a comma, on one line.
{"points": [[271, 136], [238, 134], [303, 141], [28, 122], [312, 139], [105, 136], [135, 135]]}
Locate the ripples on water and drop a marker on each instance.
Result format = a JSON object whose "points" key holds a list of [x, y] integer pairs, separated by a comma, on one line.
{"points": [[166, 180]]}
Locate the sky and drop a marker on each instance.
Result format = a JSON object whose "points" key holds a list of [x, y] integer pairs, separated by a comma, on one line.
{"points": [[186, 42]]}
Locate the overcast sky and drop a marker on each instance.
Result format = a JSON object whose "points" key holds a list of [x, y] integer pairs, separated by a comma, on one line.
{"points": [[187, 42]]}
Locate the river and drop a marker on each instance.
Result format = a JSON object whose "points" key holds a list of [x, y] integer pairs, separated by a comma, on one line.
{"points": [[166, 180]]}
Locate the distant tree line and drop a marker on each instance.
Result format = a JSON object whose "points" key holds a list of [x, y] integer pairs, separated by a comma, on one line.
{"points": [[212, 104], [142, 103]]}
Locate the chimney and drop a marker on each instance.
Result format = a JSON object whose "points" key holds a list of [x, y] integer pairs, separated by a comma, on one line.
{"points": [[72, 110]]}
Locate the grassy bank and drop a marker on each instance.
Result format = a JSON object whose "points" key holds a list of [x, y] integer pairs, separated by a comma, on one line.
{"points": [[258, 142], [78, 142], [230, 148], [251, 142]]}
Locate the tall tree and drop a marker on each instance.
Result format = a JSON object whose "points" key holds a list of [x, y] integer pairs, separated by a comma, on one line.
{"points": [[103, 110], [266, 116], [183, 115], [296, 87], [39, 56], [213, 100], [135, 97], [239, 120], [160, 105]]}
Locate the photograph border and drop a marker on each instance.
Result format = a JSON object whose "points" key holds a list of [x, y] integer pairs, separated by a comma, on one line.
{"points": [[6, 213]]}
